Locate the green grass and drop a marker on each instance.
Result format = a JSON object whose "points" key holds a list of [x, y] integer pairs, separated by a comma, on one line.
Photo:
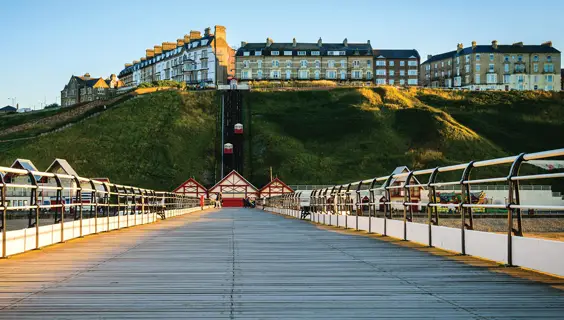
{"points": [[154, 141], [342, 135]]}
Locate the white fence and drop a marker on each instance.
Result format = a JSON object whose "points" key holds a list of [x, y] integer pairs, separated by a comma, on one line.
{"points": [[532, 253]]}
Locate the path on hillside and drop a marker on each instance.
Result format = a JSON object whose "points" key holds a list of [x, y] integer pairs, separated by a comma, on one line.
{"points": [[243, 263]]}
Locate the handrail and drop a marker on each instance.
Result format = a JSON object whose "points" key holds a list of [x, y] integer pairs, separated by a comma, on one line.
{"points": [[333, 200]]}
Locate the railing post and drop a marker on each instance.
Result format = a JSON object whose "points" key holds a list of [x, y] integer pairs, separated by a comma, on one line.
{"points": [[34, 201], [94, 198], [358, 202], [4, 214], [79, 198], [432, 200], [371, 204], [387, 204], [406, 200], [466, 198], [62, 206], [513, 198]]}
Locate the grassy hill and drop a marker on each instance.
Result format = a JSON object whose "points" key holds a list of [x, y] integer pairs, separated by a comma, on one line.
{"points": [[309, 137], [155, 140]]}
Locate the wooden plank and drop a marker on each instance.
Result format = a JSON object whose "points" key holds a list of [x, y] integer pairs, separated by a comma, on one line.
{"points": [[243, 263]]}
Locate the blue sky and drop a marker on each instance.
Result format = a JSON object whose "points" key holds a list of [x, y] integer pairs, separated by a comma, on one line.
{"points": [[45, 42]]}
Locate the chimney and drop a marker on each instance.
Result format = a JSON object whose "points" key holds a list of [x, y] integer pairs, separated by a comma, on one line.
{"points": [[158, 50], [243, 43], [319, 42], [149, 53], [494, 44], [127, 65], [429, 56], [368, 42], [269, 42], [179, 42], [459, 47], [186, 38], [167, 46], [17, 106], [220, 32], [294, 44], [143, 58], [473, 44], [547, 44], [135, 61], [195, 35], [518, 44], [207, 32], [86, 75], [346, 42]]}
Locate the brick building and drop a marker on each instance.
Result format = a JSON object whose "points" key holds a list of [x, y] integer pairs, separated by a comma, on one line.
{"points": [[396, 67]]}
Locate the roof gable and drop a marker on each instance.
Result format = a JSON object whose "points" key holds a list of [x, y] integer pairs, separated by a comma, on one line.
{"points": [[275, 187], [61, 166], [233, 183], [24, 164], [191, 186]]}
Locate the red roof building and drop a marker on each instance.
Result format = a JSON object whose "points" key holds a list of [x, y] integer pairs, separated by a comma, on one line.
{"points": [[234, 188], [274, 188], [192, 188]]}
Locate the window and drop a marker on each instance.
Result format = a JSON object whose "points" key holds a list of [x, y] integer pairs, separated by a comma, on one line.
{"points": [[449, 74], [331, 64], [275, 53], [491, 78], [548, 88], [287, 53], [467, 68], [343, 53], [331, 75], [317, 64], [467, 58], [380, 81], [381, 72], [535, 58], [478, 57], [245, 74], [457, 60], [369, 63], [411, 72], [275, 63], [259, 64], [448, 62], [402, 72], [315, 53], [520, 58], [356, 75], [343, 75], [477, 79], [402, 82], [258, 53], [491, 67], [391, 63], [391, 82], [288, 74], [245, 53], [402, 63], [548, 67], [356, 63], [506, 58], [316, 74], [467, 79], [368, 75], [519, 68], [549, 78], [536, 79], [506, 67], [491, 57], [304, 74], [275, 74], [381, 63], [442, 74], [246, 64], [412, 82], [391, 73], [301, 53], [549, 58], [343, 63], [288, 64], [303, 63], [535, 67], [259, 74], [477, 68], [435, 66]]}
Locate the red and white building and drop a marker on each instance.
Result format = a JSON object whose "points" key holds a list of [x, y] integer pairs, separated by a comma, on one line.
{"points": [[234, 188], [274, 188], [192, 188]]}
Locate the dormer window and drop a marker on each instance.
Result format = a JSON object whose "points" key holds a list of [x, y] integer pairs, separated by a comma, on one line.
{"points": [[258, 53], [301, 53], [287, 53], [315, 53], [275, 53], [246, 53], [342, 53]]}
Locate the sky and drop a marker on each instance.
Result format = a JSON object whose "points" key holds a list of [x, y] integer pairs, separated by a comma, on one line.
{"points": [[44, 42]]}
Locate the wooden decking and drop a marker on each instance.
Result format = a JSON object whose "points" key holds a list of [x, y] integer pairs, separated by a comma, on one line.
{"points": [[249, 264]]}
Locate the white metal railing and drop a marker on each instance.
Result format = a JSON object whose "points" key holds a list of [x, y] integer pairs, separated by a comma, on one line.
{"points": [[34, 203]]}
